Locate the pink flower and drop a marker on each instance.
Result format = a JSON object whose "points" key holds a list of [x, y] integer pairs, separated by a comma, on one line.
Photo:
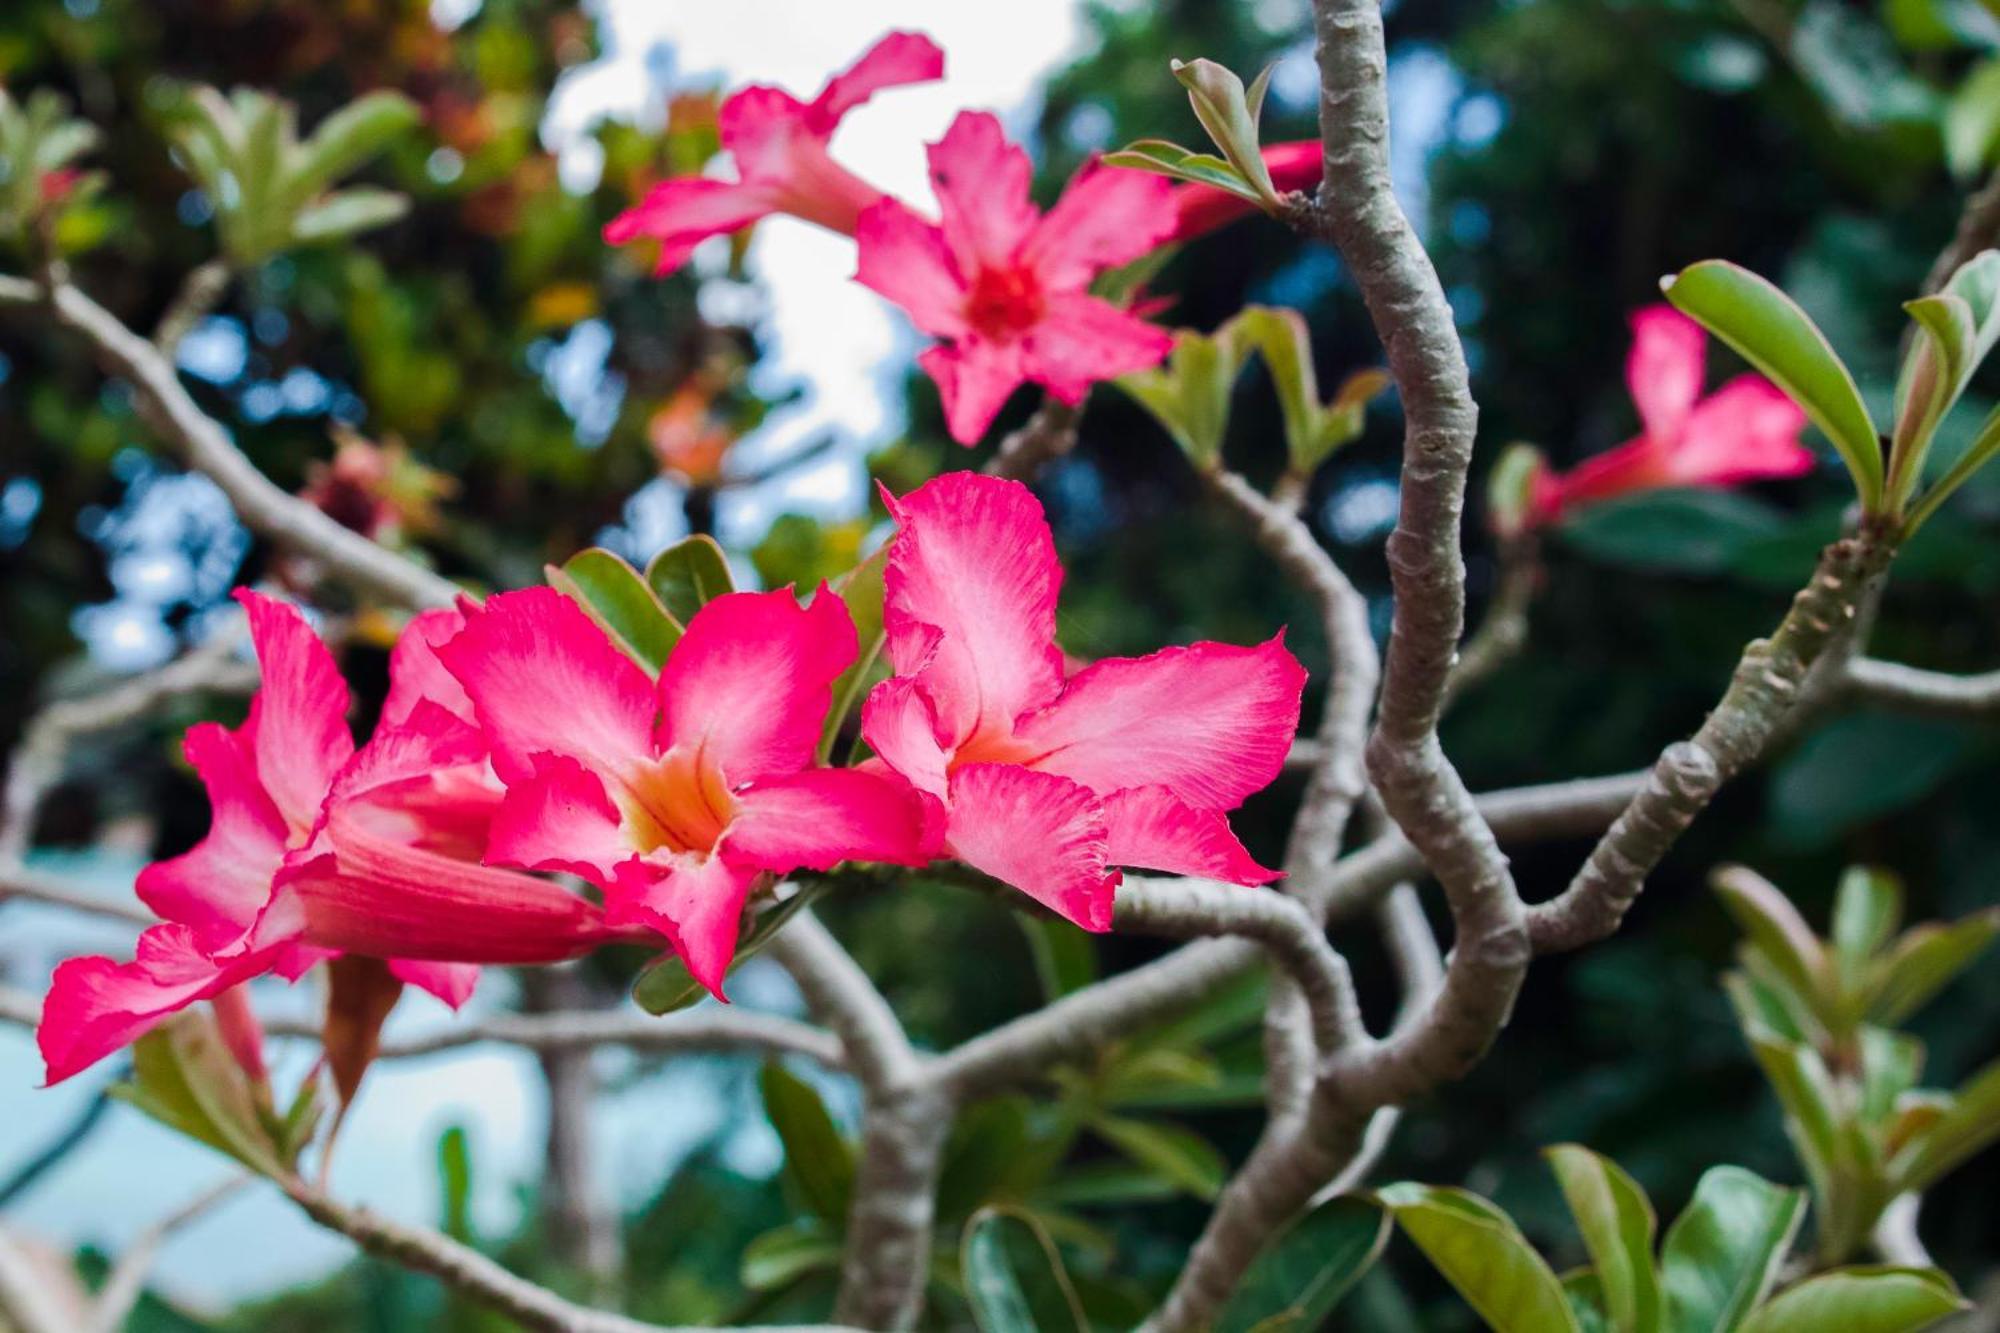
{"points": [[1201, 208], [286, 788], [675, 795], [1006, 286], [1044, 782], [782, 163], [1745, 431]]}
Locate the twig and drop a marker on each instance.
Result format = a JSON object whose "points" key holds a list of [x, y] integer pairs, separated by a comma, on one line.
{"points": [[1503, 631], [269, 511], [28, 1300], [126, 1282], [1047, 435], [1978, 228], [1914, 690], [198, 294], [34, 886]]}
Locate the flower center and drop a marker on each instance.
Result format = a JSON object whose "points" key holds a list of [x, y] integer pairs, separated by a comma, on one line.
{"points": [[678, 803], [1004, 302]]}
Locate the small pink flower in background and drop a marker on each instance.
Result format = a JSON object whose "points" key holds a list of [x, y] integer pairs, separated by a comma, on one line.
{"points": [[782, 165], [674, 796], [1049, 783], [1747, 430], [1201, 209], [1006, 286]]}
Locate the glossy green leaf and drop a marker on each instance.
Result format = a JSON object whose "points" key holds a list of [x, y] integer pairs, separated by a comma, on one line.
{"points": [[347, 213], [1830, 1144], [783, 1255], [1675, 529], [819, 1160], [1985, 445], [1294, 1284], [1859, 1300], [665, 985], [1014, 1279], [987, 1145], [1770, 331], [861, 593], [1106, 1184], [1891, 1063], [688, 576], [1313, 430], [1774, 928], [1723, 1252], [347, 139], [1585, 1295], [1616, 1221], [1143, 1075], [1959, 325], [1189, 394], [1230, 114], [1483, 1255], [1969, 1124], [1184, 164], [1867, 909], [1923, 961], [1176, 1154], [614, 595]]}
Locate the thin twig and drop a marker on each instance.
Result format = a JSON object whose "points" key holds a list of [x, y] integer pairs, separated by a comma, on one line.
{"points": [[35, 886], [126, 1282], [1978, 228], [1914, 690], [1047, 435], [199, 292]]}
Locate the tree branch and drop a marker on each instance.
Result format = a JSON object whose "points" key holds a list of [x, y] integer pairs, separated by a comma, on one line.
{"points": [[126, 1282], [206, 447], [20, 882], [1914, 690], [1046, 436]]}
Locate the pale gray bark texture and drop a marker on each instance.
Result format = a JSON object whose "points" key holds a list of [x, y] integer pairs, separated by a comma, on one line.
{"points": [[1914, 690]]}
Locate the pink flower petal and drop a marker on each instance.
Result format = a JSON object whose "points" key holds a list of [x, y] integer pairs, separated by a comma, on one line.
{"points": [[1211, 722], [764, 128], [1108, 216], [1664, 369], [452, 983], [1745, 431], [415, 672], [970, 601], [560, 819], [1083, 340], [900, 58], [683, 212], [546, 680], [96, 1006], [297, 732], [217, 888], [1636, 465], [749, 684], [416, 750], [905, 259], [1042, 834], [823, 816], [697, 903], [900, 727], [981, 182], [1151, 828], [975, 376]]}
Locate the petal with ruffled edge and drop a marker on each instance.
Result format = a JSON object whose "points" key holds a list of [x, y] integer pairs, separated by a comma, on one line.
{"points": [[1042, 834], [683, 212], [561, 819], [1212, 722], [696, 902], [297, 733], [970, 601], [1745, 431], [981, 182], [546, 680], [899, 59], [1664, 369], [452, 983], [905, 258], [1152, 829], [900, 727], [823, 816], [749, 684], [975, 377], [217, 888], [1107, 216], [415, 673], [96, 1006], [1081, 341]]}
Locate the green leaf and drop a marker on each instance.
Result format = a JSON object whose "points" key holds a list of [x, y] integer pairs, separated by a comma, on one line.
{"points": [[184, 1076], [1860, 1300], [818, 1159], [1891, 1063], [614, 595], [688, 576], [455, 1182], [1675, 529], [1294, 1284], [785, 1254], [988, 1140], [1483, 1255], [348, 138], [1923, 961], [665, 985], [860, 592], [1867, 908], [1586, 1301], [1184, 164], [1227, 112], [1065, 956], [1616, 1221], [1960, 325], [1774, 928], [1722, 1253], [1176, 1154], [1189, 395], [1014, 1279], [1969, 1124], [1770, 331], [1977, 454], [346, 213], [1827, 1140], [1313, 430], [1106, 1184], [1134, 1076]]}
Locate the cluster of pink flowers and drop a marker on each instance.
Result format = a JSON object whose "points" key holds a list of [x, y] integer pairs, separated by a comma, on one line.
{"points": [[517, 738], [1003, 286]]}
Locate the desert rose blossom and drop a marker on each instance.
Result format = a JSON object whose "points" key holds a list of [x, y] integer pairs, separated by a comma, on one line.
{"points": [[1201, 209], [782, 164], [1047, 783], [1747, 430], [1005, 286], [228, 907], [675, 795]]}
